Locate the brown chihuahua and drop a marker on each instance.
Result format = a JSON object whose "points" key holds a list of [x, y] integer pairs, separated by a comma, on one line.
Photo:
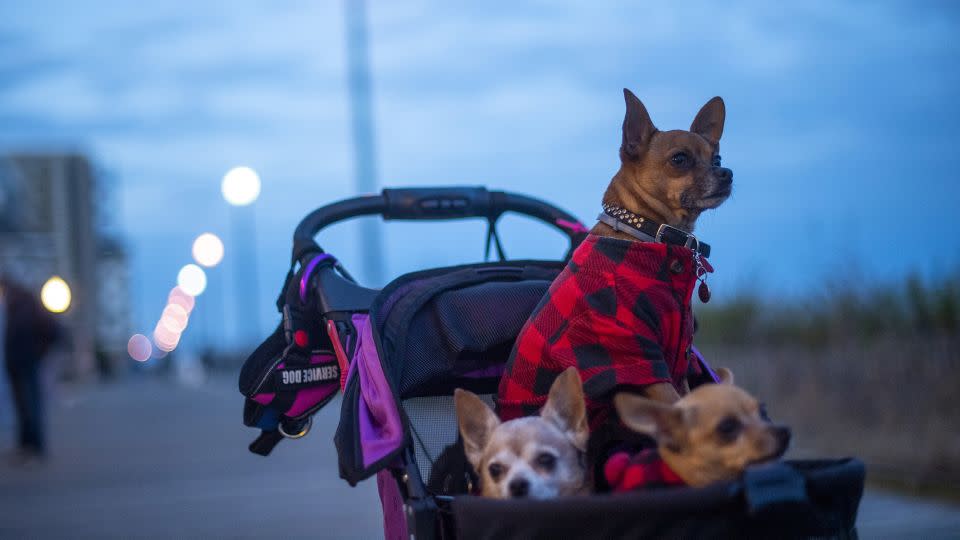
{"points": [[668, 176], [712, 434], [536, 456]]}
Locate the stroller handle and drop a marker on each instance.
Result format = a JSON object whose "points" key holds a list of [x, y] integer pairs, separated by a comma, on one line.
{"points": [[435, 203]]}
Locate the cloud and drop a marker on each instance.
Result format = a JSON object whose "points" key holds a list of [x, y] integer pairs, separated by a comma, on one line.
{"points": [[833, 107]]}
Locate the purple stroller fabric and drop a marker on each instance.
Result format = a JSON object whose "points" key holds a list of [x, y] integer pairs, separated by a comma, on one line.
{"points": [[381, 431], [394, 519]]}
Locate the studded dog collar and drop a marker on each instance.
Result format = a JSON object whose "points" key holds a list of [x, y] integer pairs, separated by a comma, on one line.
{"points": [[647, 230]]}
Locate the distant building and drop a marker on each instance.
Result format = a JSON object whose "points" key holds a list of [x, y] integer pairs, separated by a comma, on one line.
{"points": [[49, 226]]}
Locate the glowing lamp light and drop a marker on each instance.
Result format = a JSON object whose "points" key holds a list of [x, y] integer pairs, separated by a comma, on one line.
{"points": [[192, 279], [175, 318], [165, 339], [241, 186], [182, 299], [208, 250], [165, 347], [55, 295], [139, 348]]}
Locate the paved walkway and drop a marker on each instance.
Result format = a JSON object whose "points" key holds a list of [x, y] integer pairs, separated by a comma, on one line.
{"points": [[149, 459]]}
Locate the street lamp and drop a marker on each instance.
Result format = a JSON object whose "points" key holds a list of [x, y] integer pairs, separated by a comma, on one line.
{"points": [[192, 280], [175, 318], [55, 295], [240, 188], [139, 347], [179, 297], [208, 250]]}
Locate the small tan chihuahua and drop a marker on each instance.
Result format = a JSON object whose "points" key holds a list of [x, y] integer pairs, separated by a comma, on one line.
{"points": [[536, 456], [711, 434]]}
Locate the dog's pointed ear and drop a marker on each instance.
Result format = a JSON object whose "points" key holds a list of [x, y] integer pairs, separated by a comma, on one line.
{"points": [[663, 422], [476, 421], [709, 121], [726, 376], [637, 128], [567, 409]]}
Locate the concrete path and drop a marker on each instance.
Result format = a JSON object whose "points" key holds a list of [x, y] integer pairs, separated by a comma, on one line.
{"points": [[150, 459]]}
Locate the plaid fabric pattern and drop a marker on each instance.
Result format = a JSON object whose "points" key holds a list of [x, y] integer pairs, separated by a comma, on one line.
{"points": [[645, 469], [620, 313]]}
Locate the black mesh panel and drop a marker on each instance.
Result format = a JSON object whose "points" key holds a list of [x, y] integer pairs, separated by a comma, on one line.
{"points": [[455, 329]]}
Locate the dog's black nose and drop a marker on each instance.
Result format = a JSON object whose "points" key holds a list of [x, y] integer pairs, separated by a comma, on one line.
{"points": [[724, 175], [519, 487]]}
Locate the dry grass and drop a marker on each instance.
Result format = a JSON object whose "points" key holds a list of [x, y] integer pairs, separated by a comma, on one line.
{"points": [[892, 403], [874, 374], [839, 313]]}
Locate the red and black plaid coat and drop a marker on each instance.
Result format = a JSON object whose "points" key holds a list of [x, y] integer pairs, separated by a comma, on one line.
{"points": [[620, 313], [646, 469]]}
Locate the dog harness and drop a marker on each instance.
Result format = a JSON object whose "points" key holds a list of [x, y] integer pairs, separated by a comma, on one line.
{"points": [[298, 369], [645, 469], [620, 312]]}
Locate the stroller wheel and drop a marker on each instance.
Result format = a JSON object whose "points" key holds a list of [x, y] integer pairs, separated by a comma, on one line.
{"points": [[299, 428]]}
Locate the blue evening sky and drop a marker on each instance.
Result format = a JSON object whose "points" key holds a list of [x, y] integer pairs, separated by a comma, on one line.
{"points": [[842, 124]]}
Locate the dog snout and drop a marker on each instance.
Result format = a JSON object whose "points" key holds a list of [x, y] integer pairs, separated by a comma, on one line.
{"points": [[519, 487], [723, 175]]}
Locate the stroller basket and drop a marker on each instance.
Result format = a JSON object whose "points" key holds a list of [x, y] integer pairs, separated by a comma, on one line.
{"points": [[796, 499], [397, 354]]}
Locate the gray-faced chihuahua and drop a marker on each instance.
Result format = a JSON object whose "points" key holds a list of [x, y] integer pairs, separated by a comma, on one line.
{"points": [[536, 456]]}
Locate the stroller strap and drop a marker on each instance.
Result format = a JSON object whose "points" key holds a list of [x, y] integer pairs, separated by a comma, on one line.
{"points": [[294, 372], [264, 444], [704, 366]]}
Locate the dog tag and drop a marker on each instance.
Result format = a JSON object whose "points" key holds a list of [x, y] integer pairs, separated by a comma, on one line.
{"points": [[704, 292]]}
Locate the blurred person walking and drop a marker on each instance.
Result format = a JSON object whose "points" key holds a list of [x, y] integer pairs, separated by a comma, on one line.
{"points": [[27, 332]]}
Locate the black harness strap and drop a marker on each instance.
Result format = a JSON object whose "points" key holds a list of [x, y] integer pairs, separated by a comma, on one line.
{"points": [[264, 444]]}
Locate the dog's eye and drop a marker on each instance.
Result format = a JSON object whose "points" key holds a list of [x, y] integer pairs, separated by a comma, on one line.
{"points": [[716, 160], [729, 428], [547, 461], [496, 470], [680, 159]]}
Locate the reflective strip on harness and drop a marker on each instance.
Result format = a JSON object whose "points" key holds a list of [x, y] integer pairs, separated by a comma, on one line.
{"points": [[339, 352], [301, 377]]}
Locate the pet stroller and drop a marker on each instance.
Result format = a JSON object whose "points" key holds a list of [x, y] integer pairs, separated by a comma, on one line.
{"points": [[397, 354]]}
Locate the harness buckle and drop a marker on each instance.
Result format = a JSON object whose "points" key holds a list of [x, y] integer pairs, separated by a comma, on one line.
{"points": [[303, 428]]}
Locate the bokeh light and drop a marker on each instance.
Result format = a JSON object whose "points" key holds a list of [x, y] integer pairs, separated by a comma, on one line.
{"points": [[179, 297], [139, 348], [55, 295], [241, 186], [208, 250], [175, 318], [165, 339], [192, 279]]}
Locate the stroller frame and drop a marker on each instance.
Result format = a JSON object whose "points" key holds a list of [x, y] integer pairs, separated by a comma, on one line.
{"points": [[380, 375]]}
